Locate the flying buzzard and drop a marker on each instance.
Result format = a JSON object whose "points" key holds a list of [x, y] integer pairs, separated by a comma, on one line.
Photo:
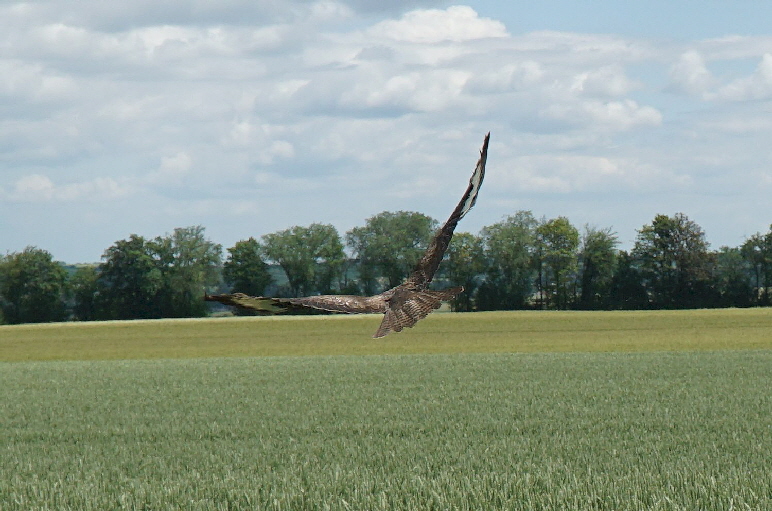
{"points": [[401, 306]]}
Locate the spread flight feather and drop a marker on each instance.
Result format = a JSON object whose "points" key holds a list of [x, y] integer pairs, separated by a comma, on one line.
{"points": [[402, 306]]}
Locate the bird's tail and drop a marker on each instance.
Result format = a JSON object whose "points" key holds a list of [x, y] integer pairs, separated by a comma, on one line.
{"points": [[416, 307]]}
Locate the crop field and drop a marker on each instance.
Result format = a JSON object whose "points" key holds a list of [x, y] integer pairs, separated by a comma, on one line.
{"points": [[617, 411], [481, 332]]}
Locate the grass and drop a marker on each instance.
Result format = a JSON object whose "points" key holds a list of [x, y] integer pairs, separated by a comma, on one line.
{"points": [[521, 411], [490, 332], [469, 431]]}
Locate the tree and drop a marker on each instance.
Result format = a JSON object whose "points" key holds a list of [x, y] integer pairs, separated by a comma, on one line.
{"points": [[32, 287], [389, 245], [244, 270], [559, 241], [465, 264], [732, 278], [84, 284], [189, 263], [508, 247], [130, 279], [312, 257], [627, 290], [598, 260], [757, 251], [329, 259], [674, 260]]}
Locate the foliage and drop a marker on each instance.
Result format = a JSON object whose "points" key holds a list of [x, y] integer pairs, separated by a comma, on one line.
{"points": [[312, 257], [389, 245], [732, 279], [244, 270], [130, 279], [163, 277], [558, 243], [674, 261], [465, 263], [86, 293], [627, 290], [670, 266], [188, 264], [509, 246], [757, 251], [598, 258], [32, 287]]}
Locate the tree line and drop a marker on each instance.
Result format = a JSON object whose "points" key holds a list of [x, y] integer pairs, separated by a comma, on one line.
{"points": [[520, 262]]}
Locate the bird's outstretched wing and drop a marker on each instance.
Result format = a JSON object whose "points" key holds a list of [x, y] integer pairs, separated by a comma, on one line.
{"points": [[261, 304], [350, 304], [333, 303], [426, 268], [402, 306]]}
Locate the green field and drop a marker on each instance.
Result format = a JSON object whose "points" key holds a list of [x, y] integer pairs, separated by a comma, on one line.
{"points": [[649, 410], [482, 332]]}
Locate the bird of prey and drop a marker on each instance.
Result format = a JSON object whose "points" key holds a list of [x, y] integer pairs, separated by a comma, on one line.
{"points": [[402, 306]]}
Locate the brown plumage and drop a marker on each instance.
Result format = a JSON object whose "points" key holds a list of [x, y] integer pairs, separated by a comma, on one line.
{"points": [[402, 306]]}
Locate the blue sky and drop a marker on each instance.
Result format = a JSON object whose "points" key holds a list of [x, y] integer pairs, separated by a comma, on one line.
{"points": [[676, 19], [248, 117]]}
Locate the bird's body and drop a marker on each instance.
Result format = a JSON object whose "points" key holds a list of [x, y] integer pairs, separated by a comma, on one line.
{"points": [[402, 306]]}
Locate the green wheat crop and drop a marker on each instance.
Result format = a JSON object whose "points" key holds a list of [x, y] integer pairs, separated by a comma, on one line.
{"points": [[490, 332], [552, 431]]}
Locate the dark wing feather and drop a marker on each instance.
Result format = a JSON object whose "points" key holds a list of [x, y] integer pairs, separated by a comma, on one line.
{"points": [[426, 268]]}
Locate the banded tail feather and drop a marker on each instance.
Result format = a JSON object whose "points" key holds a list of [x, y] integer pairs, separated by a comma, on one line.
{"points": [[414, 308]]}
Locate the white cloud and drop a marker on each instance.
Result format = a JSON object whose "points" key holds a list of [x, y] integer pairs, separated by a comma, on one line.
{"points": [[115, 15], [32, 82], [328, 10], [753, 87], [617, 115], [273, 181], [172, 170], [690, 74], [741, 124], [241, 134], [506, 78], [37, 188], [733, 47], [189, 106], [33, 188], [457, 24], [279, 149], [570, 174], [571, 48], [605, 81], [428, 91], [261, 142], [176, 165]]}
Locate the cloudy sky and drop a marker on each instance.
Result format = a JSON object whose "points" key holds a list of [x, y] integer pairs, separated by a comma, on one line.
{"points": [[248, 117]]}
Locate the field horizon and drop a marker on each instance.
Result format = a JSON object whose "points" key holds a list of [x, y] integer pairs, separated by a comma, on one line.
{"points": [[478, 332]]}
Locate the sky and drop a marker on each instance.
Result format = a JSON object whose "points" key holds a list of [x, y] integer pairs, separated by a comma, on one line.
{"points": [[249, 117]]}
